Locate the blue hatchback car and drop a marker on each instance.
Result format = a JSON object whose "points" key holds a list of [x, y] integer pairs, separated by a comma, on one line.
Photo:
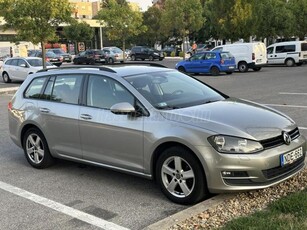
{"points": [[212, 62]]}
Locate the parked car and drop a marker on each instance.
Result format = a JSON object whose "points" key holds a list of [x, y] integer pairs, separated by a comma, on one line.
{"points": [[18, 68], [212, 62], [143, 52], [168, 50], [248, 55], [157, 123], [113, 54], [51, 57], [90, 56], [200, 48], [289, 53], [58, 51]]}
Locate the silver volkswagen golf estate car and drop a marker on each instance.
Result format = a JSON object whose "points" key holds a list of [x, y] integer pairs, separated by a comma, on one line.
{"points": [[157, 123]]}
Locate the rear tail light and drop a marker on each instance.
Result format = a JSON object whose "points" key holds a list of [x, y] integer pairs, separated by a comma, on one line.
{"points": [[116, 55], [61, 58], [10, 105], [253, 56], [47, 59], [222, 61]]}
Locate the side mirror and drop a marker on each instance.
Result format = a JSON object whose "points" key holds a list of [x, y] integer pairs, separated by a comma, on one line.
{"points": [[123, 108]]}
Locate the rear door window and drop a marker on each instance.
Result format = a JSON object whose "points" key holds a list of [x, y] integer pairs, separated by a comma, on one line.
{"points": [[304, 46], [285, 49], [35, 88]]}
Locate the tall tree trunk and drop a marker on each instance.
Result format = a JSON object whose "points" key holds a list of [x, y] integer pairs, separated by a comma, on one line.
{"points": [[43, 54], [124, 48]]}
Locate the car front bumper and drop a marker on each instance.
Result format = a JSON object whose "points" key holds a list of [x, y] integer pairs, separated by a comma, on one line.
{"points": [[240, 172]]}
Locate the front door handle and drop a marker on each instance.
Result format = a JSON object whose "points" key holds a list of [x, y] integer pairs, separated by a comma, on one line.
{"points": [[86, 116], [44, 110]]}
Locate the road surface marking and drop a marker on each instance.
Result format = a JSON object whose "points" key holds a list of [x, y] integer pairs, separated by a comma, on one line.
{"points": [[302, 128], [290, 106], [286, 93], [90, 219]]}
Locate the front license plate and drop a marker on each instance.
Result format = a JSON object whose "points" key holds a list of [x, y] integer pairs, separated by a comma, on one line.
{"points": [[289, 158], [231, 67]]}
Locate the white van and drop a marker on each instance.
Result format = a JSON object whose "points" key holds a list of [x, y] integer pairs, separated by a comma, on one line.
{"points": [[248, 55], [288, 53]]}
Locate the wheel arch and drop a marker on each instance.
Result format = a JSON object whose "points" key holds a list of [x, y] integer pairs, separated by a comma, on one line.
{"points": [[25, 129], [163, 146]]}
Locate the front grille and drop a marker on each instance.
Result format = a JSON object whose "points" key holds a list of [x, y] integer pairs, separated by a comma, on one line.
{"points": [[277, 141], [279, 171]]}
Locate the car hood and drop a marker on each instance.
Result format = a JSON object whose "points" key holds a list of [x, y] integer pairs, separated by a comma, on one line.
{"points": [[234, 117]]}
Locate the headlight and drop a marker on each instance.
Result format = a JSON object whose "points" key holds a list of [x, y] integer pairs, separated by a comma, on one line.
{"points": [[156, 54], [228, 144]]}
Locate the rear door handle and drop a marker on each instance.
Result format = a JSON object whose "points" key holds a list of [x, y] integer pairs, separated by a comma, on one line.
{"points": [[86, 116], [44, 110]]}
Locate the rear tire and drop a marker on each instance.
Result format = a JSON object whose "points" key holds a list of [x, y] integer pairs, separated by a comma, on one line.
{"points": [[132, 58], [36, 149], [6, 77], [242, 66], [111, 61], [290, 62], [257, 69], [151, 58], [214, 71], [180, 176]]}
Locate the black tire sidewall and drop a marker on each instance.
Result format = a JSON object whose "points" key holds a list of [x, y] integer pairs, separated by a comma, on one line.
{"points": [[199, 191], [48, 160], [214, 71], [245, 67]]}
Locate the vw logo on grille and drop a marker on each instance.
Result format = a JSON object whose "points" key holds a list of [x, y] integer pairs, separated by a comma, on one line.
{"points": [[286, 137]]}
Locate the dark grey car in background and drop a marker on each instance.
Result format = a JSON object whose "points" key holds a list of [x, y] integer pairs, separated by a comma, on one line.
{"points": [[157, 123]]}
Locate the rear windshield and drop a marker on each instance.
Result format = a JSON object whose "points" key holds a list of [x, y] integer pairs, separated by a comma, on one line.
{"points": [[304, 46], [226, 55], [99, 52]]}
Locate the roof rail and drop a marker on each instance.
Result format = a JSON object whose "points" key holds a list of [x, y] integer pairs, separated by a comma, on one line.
{"points": [[136, 63], [103, 68]]}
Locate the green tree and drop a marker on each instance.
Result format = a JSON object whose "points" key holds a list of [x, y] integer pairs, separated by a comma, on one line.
{"points": [[152, 20], [298, 9], [78, 32], [272, 18], [36, 20], [121, 21], [182, 17]]}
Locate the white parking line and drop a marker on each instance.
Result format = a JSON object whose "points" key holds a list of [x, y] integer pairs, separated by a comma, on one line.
{"points": [[90, 219], [286, 93], [302, 128], [290, 106]]}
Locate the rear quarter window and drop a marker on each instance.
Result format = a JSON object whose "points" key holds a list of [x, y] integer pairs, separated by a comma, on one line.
{"points": [[35, 88], [304, 46]]}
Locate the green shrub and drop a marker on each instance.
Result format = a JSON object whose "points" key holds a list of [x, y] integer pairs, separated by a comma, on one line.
{"points": [[173, 54], [180, 54]]}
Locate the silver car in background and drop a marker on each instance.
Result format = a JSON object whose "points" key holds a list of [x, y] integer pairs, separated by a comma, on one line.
{"points": [[157, 123], [18, 68], [113, 54]]}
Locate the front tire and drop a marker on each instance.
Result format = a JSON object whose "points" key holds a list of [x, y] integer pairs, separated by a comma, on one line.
{"points": [[181, 176], [36, 149], [111, 61], [6, 77], [133, 58], [151, 58], [181, 69]]}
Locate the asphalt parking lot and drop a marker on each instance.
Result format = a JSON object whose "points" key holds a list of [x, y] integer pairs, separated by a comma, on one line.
{"points": [[67, 194]]}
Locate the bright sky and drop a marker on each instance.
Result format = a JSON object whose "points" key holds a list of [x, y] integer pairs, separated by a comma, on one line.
{"points": [[144, 4]]}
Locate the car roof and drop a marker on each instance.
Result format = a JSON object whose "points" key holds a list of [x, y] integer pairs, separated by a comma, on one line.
{"points": [[26, 58], [120, 70]]}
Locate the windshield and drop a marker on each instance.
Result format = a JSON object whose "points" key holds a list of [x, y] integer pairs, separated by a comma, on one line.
{"points": [[173, 90], [116, 50], [37, 62]]}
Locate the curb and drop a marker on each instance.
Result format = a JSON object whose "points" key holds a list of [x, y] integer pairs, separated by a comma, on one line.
{"points": [[189, 212], [10, 90]]}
